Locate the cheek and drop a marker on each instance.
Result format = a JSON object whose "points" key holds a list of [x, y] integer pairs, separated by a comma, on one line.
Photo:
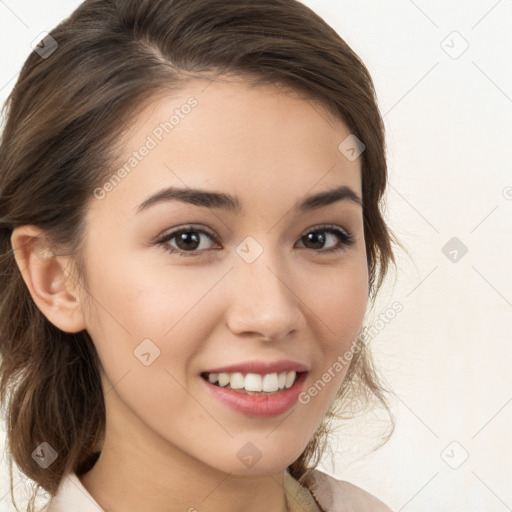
{"points": [[143, 297], [339, 300], [339, 304], [147, 322], [145, 312]]}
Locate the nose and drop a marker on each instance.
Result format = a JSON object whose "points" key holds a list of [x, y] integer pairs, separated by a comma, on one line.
{"points": [[263, 298]]}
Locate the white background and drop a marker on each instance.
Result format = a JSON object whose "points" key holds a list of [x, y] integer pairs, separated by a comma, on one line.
{"points": [[447, 355]]}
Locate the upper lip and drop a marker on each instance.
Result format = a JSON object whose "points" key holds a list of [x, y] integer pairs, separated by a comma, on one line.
{"points": [[261, 367]]}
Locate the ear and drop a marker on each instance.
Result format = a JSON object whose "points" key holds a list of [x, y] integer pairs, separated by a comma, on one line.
{"points": [[47, 277]]}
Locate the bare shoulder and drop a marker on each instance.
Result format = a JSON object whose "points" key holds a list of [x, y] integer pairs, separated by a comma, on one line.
{"points": [[342, 496]]}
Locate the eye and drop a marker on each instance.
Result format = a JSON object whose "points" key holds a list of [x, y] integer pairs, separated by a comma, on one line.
{"points": [[188, 241], [317, 238]]}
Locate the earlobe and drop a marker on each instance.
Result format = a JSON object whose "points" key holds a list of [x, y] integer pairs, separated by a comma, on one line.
{"points": [[47, 278]]}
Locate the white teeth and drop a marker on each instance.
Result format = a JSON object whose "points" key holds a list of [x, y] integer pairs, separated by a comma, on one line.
{"points": [[223, 379], [290, 379], [236, 381], [269, 383], [252, 382]]}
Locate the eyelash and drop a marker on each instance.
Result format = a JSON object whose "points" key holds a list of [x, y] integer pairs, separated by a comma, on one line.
{"points": [[346, 239]]}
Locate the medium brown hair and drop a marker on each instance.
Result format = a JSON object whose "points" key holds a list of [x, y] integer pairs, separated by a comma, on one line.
{"points": [[64, 119]]}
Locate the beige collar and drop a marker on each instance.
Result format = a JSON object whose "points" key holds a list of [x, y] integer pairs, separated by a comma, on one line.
{"points": [[298, 497]]}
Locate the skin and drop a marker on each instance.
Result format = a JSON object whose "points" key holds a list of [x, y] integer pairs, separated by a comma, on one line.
{"points": [[168, 445]]}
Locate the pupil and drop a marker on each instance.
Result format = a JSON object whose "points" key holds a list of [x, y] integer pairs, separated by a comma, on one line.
{"points": [[188, 237], [318, 239]]}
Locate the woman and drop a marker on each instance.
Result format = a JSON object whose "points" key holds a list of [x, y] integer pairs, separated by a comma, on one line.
{"points": [[190, 233]]}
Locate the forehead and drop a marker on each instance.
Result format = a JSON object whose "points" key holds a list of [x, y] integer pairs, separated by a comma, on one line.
{"points": [[259, 142]]}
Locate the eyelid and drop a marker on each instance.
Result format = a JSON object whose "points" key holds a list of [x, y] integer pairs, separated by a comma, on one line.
{"points": [[327, 227], [348, 238], [185, 227], [170, 234]]}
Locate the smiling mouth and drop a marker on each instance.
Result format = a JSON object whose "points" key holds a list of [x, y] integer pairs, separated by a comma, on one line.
{"points": [[253, 383]]}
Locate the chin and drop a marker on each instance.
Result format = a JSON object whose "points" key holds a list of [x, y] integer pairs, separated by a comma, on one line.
{"points": [[252, 458]]}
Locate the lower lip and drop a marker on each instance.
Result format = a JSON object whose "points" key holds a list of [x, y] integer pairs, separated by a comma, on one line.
{"points": [[259, 406]]}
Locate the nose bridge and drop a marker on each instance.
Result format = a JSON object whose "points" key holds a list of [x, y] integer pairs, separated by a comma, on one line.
{"points": [[262, 298]]}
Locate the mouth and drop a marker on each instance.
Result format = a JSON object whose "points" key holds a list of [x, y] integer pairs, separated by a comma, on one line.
{"points": [[253, 383]]}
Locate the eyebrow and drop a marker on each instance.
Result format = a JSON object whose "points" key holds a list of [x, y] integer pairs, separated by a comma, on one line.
{"points": [[232, 204]]}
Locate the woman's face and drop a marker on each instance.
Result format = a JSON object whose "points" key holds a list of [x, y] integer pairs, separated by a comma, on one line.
{"points": [[256, 283]]}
